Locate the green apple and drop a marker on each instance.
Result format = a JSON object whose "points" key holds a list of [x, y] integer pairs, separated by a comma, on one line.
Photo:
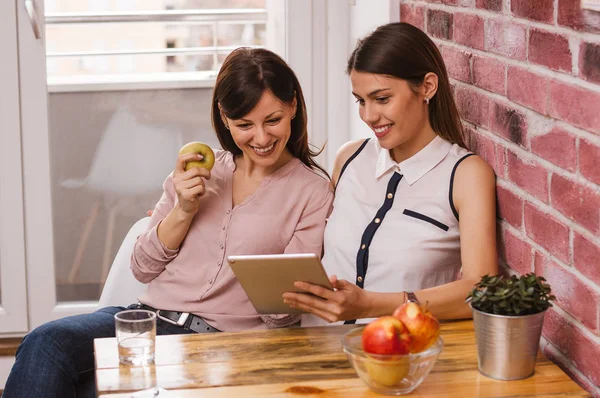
{"points": [[207, 153]]}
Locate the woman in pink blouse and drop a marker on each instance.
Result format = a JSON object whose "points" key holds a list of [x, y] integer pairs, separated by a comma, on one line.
{"points": [[265, 195]]}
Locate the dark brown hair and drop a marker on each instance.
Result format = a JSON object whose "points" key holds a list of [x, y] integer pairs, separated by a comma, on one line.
{"points": [[245, 75], [403, 51]]}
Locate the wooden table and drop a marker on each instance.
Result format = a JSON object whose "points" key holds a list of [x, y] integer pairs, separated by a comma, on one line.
{"points": [[303, 362]]}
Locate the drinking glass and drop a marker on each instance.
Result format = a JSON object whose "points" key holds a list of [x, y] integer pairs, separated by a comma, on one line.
{"points": [[136, 336]]}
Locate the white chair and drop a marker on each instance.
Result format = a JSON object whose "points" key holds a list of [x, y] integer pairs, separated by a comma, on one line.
{"points": [[121, 287], [131, 161]]}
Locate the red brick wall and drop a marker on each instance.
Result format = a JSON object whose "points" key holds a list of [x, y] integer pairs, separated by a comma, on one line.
{"points": [[526, 76]]}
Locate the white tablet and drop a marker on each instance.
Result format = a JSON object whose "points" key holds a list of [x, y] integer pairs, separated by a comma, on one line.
{"points": [[266, 277]]}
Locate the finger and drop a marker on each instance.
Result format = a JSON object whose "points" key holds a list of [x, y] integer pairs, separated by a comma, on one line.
{"points": [[333, 279], [191, 183], [198, 190], [315, 289], [183, 159], [306, 300], [149, 213], [323, 314], [197, 172]]}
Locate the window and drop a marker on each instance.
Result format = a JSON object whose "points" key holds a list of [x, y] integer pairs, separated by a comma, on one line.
{"points": [[593, 5], [101, 41]]}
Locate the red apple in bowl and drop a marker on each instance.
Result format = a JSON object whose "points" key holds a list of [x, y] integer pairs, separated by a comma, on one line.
{"points": [[386, 336], [424, 329]]}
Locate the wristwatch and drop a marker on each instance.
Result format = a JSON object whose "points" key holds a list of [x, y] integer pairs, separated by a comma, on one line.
{"points": [[411, 298]]}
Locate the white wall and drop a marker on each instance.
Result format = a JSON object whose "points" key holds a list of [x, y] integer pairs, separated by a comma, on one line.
{"points": [[365, 16]]}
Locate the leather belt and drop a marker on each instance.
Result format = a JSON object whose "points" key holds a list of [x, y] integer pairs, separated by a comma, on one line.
{"points": [[183, 319]]}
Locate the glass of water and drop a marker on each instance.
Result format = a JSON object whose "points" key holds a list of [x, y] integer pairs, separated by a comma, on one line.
{"points": [[136, 335]]}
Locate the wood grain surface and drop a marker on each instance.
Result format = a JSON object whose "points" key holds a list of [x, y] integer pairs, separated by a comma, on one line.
{"points": [[304, 362]]}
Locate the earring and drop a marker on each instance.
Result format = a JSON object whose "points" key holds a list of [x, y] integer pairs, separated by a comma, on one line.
{"points": [[226, 126], [427, 100], [293, 116]]}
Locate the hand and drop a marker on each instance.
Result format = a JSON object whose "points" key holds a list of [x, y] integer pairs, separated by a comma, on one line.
{"points": [[189, 185], [346, 301]]}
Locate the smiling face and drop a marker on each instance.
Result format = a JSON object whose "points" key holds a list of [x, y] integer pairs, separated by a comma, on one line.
{"points": [[262, 134], [395, 112]]}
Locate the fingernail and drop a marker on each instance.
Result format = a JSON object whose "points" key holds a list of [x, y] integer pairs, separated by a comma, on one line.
{"points": [[200, 157]]}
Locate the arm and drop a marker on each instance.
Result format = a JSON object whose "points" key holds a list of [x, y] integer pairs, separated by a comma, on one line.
{"points": [[150, 256], [475, 200], [307, 238], [474, 196], [170, 221]]}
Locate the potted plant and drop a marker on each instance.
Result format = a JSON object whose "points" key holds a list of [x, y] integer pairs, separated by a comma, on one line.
{"points": [[508, 314]]}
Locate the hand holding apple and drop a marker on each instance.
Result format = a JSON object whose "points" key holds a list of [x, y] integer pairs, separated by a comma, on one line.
{"points": [[208, 156], [424, 329], [189, 180]]}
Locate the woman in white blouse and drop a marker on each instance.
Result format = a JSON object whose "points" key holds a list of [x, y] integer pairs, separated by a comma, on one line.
{"points": [[394, 233]]}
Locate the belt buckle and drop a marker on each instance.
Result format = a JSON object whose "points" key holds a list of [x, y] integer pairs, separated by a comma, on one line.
{"points": [[180, 322]]}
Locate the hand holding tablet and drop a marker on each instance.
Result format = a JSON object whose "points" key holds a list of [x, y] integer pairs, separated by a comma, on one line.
{"points": [[266, 277]]}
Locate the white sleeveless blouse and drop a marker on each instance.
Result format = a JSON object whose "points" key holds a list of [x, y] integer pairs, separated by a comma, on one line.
{"points": [[394, 227]]}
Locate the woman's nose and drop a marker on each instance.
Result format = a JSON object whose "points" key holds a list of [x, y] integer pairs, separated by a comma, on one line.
{"points": [[371, 115]]}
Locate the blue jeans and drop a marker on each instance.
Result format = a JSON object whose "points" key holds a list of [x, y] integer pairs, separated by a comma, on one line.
{"points": [[57, 358]]}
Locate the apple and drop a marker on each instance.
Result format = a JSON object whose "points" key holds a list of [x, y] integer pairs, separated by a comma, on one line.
{"points": [[388, 373], [386, 336], [207, 153], [424, 329]]}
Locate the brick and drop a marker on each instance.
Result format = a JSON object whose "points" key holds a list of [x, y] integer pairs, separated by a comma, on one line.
{"points": [[565, 364], [585, 257], [510, 207], [589, 154], [557, 329], [505, 38], [589, 61], [484, 147], [458, 64], [527, 89], [516, 253], [576, 201], [413, 15], [489, 74], [550, 49], [473, 106], [530, 176], [564, 283], [537, 10], [570, 14], [575, 105], [572, 342], [501, 160], [558, 146], [547, 232], [468, 30], [508, 123], [439, 24], [491, 5]]}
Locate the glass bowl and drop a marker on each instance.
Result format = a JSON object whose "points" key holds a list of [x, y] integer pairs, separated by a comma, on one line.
{"points": [[389, 374]]}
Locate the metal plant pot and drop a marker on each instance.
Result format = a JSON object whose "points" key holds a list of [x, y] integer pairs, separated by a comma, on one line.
{"points": [[507, 345]]}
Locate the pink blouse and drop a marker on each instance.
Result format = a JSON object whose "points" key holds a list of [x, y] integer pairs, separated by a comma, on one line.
{"points": [[286, 214]]}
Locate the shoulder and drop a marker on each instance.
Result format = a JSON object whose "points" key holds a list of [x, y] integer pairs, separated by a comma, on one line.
{"points": [[313, 180], [342, 156], [474, 180], [474, 169]]}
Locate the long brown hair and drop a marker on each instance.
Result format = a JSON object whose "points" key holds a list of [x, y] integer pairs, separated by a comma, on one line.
{"points": [[246, 73], [403, 51]]}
